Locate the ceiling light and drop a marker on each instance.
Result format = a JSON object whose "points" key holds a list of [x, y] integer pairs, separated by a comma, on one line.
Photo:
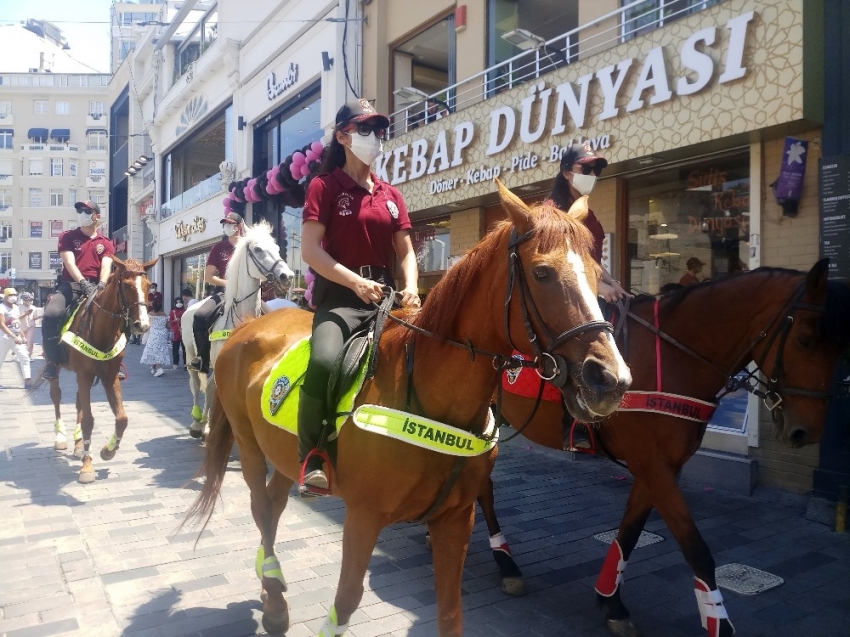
{"points": [[523, 39], [410, 94]]}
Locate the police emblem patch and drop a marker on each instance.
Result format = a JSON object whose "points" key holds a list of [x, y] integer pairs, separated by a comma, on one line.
{"points": [[393, 209], [100, 248], [280, 390], [513, 374]]}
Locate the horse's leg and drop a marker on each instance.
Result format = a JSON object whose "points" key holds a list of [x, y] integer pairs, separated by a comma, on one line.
{"points": [[450, 535], [671, 505], [359, 535], [61, 442], [78, 427], [113, 395], [275, 608], [278, 490], [197, 415], [86, 419], [512, 582], [637, 511], [209, 396]]}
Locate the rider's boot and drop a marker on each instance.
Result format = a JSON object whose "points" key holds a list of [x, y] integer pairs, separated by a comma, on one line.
{"points": [[50, 345], [201, 362], [311, 416]]}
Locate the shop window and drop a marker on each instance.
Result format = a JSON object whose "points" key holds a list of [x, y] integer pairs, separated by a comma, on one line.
{"points": [[424, 65], [700, 211], [431, 243]]}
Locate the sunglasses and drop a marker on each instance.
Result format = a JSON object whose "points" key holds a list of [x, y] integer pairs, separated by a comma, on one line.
{"points": [[587, 169], [365, 129]]}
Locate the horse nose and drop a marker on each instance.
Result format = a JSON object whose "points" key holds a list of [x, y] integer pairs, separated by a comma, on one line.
{"points": [[138, 328], [597, 377], [798, 438]]}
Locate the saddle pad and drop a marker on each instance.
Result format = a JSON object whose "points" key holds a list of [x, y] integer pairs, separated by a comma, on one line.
{"points": [[424, 432], [524, 381], [279, 400]]}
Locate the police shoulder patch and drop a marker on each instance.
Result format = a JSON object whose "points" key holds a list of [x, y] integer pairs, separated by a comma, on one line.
{"points": [[393, 208], [280, 390]]}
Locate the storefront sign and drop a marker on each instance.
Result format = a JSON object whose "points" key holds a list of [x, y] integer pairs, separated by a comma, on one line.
{"points": [[145, 206], [185, 230], [35, 260], [835, 214], [97, 168], [549, 111], [275, 88]]}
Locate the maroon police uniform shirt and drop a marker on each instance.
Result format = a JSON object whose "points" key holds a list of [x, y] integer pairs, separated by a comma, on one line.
{"points": [[220, 256], [88, 252], [359, 226]]}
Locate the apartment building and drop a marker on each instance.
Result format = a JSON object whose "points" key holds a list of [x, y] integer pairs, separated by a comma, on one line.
{"points": [[54, 137]]}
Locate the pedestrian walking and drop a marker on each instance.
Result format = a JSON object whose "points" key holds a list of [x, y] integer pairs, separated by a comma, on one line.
{"points": [[157, 348], [12, 335], [174, 317], [30, 319]]}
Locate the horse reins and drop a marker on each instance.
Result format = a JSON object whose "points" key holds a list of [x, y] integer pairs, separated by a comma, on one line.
{"points": [[125, 305]]}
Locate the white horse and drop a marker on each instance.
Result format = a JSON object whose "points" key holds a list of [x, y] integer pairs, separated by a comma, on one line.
{"points": [[256, 259]]}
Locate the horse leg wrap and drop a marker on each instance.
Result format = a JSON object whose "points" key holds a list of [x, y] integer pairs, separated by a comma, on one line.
{"points": [[268, 567], [331, 627], [113, 443], [711, 608], [499, 543], [611, 575], [78, 432], [59, 428]]}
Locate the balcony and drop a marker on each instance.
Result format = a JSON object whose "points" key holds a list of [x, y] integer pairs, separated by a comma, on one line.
{"points": [[197, 193], [93, 120], [6, 180], [96, 181], [6, 119], [33, 148], [66, 149], [5, 210]]}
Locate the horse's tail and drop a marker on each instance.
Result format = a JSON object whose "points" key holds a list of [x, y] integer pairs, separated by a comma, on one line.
{"points": [[219, 445]]}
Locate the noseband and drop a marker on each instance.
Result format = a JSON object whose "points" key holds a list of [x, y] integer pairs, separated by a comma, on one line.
{"points": [[550, 367], [268, 273]]}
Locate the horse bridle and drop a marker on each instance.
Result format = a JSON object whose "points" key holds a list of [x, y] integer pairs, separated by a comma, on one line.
{"points": [[268, 273], [550, 367], [125, 305]]}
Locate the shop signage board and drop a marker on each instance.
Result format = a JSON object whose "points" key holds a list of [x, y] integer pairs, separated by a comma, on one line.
{"points": [[35, 260], [183, 230], [275, 88], [835, 214]]}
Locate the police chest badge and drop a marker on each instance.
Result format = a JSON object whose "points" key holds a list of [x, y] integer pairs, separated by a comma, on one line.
{"points": [[280, 390], [513, 374], [100, 248], [393, 209]]}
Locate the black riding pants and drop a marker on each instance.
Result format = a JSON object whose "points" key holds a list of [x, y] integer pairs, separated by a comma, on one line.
{"points": [[201, 327], [64, 296]]}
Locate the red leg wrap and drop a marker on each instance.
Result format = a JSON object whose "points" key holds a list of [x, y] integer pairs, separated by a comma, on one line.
{"points": [[611, 576]]}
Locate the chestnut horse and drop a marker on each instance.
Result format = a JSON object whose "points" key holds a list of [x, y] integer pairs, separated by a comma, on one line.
{"points": [[529, 280], [117, 310], [793, 325]]}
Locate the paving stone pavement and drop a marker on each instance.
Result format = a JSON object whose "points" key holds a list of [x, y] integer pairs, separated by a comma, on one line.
{"points": [[106, 558]]}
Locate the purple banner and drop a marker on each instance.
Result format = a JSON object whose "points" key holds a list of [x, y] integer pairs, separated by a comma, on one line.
{"points": [[789, 185]]}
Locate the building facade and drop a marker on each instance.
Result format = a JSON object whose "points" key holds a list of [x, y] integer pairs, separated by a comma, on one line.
{"points": [[54, 138]]}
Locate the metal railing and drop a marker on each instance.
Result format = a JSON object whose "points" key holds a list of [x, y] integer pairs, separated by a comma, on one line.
{"points": [[197, 193], [632, 19]]}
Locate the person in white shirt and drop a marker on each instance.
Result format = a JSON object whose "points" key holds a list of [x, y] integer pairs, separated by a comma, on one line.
{"points": [[30, 319], [12, 335]]}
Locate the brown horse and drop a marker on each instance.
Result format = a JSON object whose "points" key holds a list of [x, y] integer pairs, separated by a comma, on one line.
{"points": [[120, 308], [463, 338], [793, 325]]}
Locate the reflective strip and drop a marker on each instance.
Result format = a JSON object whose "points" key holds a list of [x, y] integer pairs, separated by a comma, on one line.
{"points": [[59, 426], [268, 567], [113, 442], [258, 561], [331, 628], [71, 339], [78, 432], [220, 335]]}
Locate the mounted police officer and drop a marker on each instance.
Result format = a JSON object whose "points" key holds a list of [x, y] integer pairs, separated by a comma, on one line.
{"points": [[86, 265]]}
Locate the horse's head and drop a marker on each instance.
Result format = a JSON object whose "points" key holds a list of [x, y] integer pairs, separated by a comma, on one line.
{"points": [[811, 332], [130, 277], [554, 313], [263, 260]]}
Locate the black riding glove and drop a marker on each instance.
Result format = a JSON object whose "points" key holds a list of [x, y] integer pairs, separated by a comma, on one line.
{"points": [[101, 285], [87, 287]]}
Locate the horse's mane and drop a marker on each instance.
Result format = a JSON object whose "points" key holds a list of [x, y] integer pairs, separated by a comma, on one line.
{"points": [[260, 232], [552, 227]]}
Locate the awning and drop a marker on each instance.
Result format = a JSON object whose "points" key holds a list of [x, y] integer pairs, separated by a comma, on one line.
{"points": [[96, 130], [61, 134], [40, 133], [7, 130]]}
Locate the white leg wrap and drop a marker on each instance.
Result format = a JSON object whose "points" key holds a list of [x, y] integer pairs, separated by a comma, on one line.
{"points": [[331, 628], [59, 428], [711, 608]]}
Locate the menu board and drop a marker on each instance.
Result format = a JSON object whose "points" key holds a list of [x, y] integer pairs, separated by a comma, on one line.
{"points": [[835, 214]]}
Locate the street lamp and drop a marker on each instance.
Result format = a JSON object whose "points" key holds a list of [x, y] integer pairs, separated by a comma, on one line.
{"points": [[410, 94], [523, 39]]}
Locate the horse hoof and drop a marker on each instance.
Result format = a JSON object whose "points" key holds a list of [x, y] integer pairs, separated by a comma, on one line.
{"points": [[86, 477], [622, 628], [196, 430], [276, 624], [513, 586], [106, 454], [60, 446]]}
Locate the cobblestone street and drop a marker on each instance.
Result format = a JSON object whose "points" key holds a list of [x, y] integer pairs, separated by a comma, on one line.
{"points": [[105, 559]]}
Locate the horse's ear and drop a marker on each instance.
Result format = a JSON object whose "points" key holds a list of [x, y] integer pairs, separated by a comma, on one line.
{"points": [[519, 213], [147, 266], [579, 209], [118, 263], [816, 279]]}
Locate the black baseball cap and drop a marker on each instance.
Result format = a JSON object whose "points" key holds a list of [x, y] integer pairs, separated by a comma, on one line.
{"points": [[88, 204], [359, 111], [582, 154], [232, 217]]}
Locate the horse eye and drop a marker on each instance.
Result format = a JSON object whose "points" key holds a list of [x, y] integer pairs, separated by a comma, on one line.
{"points": [[541, 273]]}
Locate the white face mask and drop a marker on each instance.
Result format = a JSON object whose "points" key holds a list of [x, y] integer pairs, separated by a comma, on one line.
{"points": [[11, 300], [229, 229], [179, 306], [366, 149], [583, 183], [86, 219]]}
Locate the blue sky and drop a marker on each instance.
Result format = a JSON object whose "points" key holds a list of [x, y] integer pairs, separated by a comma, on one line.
{"points": [[84, 22]]}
